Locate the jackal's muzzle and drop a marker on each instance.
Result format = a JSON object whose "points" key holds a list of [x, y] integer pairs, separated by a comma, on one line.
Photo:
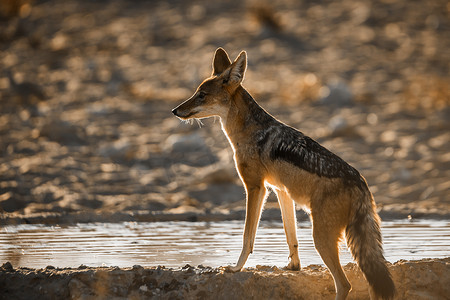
{"points": [[182, 114]]}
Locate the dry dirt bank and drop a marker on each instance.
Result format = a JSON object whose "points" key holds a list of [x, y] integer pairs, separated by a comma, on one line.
{"points": [[424, 279]]}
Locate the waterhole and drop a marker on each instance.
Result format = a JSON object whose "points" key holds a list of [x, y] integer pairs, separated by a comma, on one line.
{"points": [[174, 244]]}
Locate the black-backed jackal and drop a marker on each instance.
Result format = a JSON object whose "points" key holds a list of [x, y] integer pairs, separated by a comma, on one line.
{"points": [[271, 154]]}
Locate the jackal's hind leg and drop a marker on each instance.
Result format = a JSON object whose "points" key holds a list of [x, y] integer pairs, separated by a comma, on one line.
{"points": [[255, 199], [326, 238], [290, 228]]}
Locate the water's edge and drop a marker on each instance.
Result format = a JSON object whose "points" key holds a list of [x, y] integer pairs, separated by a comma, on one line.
{"points": [[271, 214], [175, 244]]}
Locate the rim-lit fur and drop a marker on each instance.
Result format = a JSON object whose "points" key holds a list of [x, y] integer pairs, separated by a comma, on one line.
{"points": [[268, 153]]}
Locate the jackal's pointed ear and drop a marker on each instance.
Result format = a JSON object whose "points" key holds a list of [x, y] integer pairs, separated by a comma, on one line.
{"points": [[221, 61], [237, 69]]}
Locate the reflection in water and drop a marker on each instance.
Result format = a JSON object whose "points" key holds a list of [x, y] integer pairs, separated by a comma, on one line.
{"points": [[174, 244]]}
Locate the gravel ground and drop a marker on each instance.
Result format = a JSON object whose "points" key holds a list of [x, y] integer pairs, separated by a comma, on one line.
{"points": [[87, 88]]}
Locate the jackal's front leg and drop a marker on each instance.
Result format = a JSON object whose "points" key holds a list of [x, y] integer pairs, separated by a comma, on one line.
{"points": [[255, 199]]}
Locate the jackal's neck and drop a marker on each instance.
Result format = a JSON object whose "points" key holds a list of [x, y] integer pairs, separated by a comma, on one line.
{"points": [[244, 117]]}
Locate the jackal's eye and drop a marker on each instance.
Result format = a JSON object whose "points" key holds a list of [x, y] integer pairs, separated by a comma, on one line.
{"points": [[201, 95]]}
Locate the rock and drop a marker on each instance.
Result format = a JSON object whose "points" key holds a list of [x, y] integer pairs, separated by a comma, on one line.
{"points": [[402, 174], [10, 202], [25, 147], [337, 94], [339, 126], [63, 132], [28, 93], [219, 174], [7, 266], [121, 149], [189, 149], [218, 194], [185, 143]]}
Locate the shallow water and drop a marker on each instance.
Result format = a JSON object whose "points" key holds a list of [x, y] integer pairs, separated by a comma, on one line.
{"points": [[174, 244]]}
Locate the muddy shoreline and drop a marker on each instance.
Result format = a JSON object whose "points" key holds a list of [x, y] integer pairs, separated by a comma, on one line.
{"points": [[273, 214], [424, 279]]}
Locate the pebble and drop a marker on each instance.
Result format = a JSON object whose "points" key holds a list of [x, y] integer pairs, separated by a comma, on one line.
{"points": [[337, 93], [185, 143], [7, 266]]}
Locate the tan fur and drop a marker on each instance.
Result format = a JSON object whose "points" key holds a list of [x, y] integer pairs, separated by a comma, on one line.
{"points": [[332, 204]]}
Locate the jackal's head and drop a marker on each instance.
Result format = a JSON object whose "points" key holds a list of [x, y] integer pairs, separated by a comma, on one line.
{"points": [[213, 96]]}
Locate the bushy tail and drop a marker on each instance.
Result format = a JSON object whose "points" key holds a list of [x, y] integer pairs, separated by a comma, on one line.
{"points": [[364, 240]]}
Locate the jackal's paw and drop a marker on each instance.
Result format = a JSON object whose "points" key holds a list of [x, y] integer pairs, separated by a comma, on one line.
{"points": [[231, 269], [294, 266]]}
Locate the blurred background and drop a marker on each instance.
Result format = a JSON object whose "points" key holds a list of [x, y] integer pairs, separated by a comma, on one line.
{"points": [[87, 88]]}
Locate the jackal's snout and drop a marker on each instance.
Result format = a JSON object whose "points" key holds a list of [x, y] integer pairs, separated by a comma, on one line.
{"points": [[184, 110], [178, 112]]}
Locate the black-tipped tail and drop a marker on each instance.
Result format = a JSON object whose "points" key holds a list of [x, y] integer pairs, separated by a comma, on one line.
{"points": [[380, 280], [364, 240]]}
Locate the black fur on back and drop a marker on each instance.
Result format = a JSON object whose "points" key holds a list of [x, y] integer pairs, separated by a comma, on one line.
{"points": [[292, 146]]}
